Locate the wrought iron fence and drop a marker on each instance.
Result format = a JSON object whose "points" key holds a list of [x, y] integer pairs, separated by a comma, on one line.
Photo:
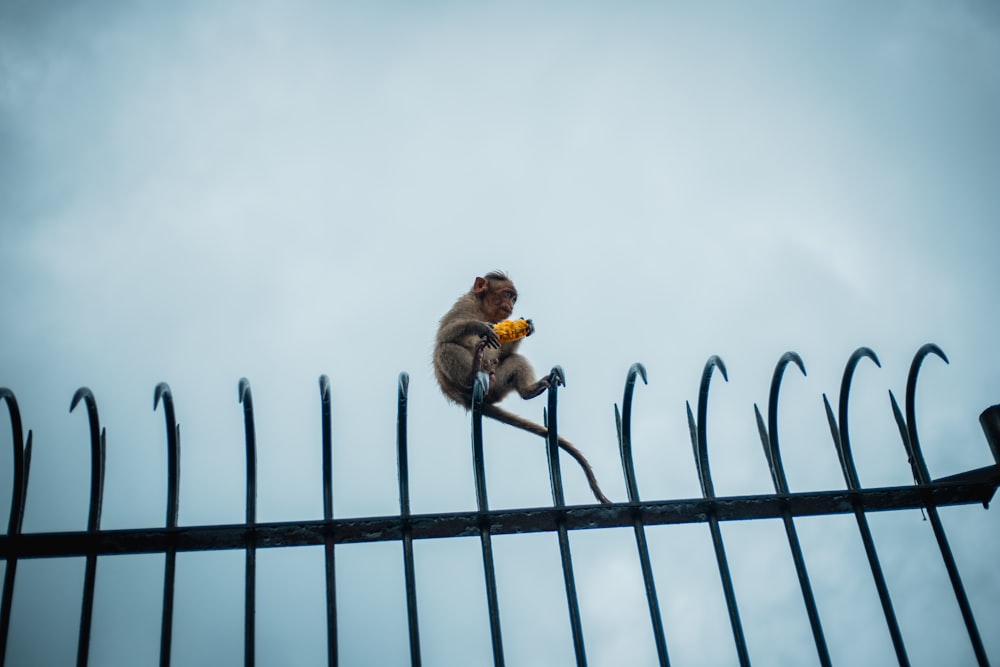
{"points": [[974, 486]]}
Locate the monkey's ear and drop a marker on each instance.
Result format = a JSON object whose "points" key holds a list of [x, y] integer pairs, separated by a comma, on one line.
{"points": [[480, 285]]}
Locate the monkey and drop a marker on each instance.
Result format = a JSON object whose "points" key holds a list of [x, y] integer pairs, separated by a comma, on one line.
{"points": [[466, 345]]}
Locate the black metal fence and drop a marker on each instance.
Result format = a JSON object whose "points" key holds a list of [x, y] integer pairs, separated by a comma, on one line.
{"points": [[975, 486]]}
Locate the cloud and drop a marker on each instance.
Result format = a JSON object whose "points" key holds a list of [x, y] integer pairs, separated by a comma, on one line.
{"points": [[199, 192]]}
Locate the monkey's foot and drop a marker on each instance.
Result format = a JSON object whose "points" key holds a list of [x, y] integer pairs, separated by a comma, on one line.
{"points": [[536, 389]]}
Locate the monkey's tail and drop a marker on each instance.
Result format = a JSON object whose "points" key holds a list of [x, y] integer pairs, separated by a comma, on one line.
{"points": [[511, 419]]}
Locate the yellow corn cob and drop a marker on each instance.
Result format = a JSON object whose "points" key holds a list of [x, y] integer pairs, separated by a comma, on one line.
{"points": [[511, 330]]}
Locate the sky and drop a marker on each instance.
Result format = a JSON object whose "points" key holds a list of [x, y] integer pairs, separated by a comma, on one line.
{"points": [[195, 192]]}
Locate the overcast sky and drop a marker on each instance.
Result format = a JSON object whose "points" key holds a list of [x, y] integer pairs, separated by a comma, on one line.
{"points": [[193, 192]]}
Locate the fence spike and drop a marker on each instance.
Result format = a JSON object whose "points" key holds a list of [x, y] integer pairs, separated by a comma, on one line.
{"points": [[22, 451], [250, 587], [98, 450], [409, 570], [19, 488], [843, 441], [480, 386], [908, 429], [989, 419], [911, 418], [699, 441], [162, 393], [623, 423], [778, 469], [772, 450], [700, 429], [556, 378], [324, 396], [332, 651]]}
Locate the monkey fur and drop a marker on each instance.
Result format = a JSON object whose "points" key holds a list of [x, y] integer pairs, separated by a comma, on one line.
{"points": [[467, 344]]}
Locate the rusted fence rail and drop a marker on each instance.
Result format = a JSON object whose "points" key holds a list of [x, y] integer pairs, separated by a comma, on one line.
{"points": [[975, 486]]}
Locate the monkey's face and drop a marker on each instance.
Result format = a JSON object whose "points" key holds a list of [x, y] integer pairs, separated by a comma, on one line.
{"points": [[499, 300]]}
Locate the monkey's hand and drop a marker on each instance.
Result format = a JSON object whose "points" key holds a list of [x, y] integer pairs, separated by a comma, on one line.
{"points": [[485, 331]]}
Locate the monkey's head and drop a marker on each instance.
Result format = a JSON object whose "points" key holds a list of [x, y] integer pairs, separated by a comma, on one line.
{"points": [[497, 296]]}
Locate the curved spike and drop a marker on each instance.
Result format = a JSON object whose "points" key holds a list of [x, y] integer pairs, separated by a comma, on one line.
{"points": [[989, 419], [327, 429], [162, 389], [77, 395], [701, 446], [552, 439], [245, 394], [97, 452], [634, 371], [765, 441], [558, 375], [835, 433], [402, 458], [777, 469], [480, 385], [693, 431], [244, 388], [27, 476], [624, 423], [920, 465], [843, 442], [904, 435], [21, 452], [618, 425], [246, 398], [104, 457], [163, 393]]}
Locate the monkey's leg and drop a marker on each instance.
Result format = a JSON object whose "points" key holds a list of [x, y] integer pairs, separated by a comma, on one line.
{"points": [[515, 372], [478, 356], [480, 364]]}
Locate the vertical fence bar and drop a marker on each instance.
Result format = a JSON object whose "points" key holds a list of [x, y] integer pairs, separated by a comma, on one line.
{"points": [[699, 441], [769, 438], [479, 389], [842, 441], [328, 541], [623, 422], [19, 491], [162, 391], [250, 595], [97, 457], [908, 432], [402, 461], [556, 378]]}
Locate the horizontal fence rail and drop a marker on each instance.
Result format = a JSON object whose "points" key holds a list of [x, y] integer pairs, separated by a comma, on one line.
{"points": [[927, 494]]}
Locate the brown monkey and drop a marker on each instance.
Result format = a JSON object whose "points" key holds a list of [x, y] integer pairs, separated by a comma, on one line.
{"points": [[467, 344]]}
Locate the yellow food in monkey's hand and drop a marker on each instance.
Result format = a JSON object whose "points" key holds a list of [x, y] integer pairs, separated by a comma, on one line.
{"points": [[511, 330]]}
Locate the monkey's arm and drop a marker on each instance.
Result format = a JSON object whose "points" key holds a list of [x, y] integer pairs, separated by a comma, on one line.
{"points": [[455, 331]]}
